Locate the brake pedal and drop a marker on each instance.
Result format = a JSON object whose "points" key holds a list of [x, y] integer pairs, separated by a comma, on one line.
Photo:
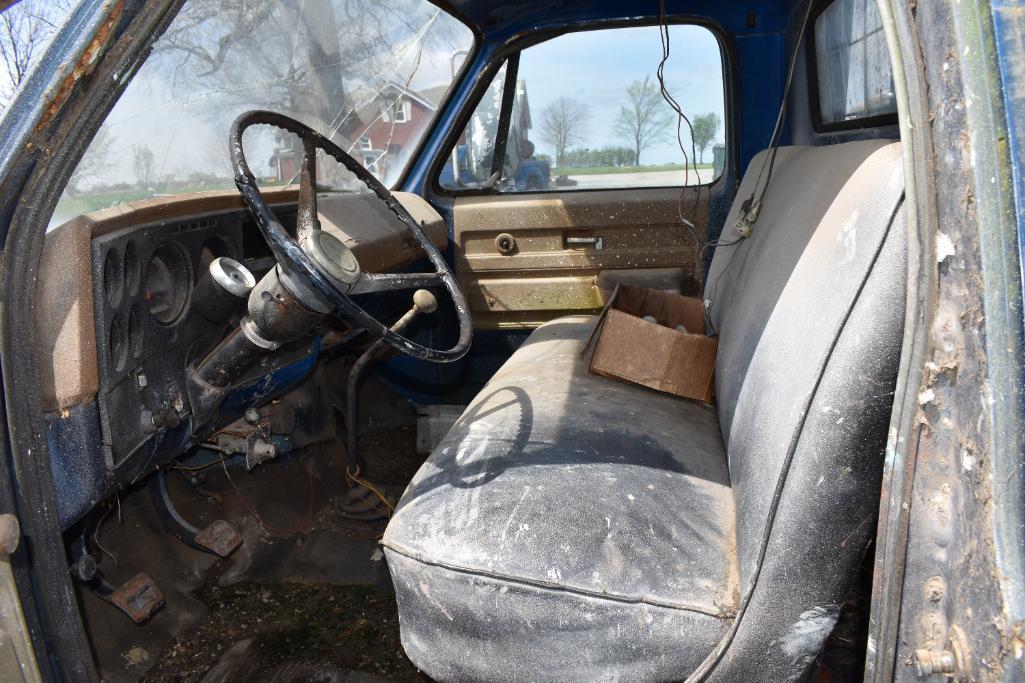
{"points": [[219, 537]]}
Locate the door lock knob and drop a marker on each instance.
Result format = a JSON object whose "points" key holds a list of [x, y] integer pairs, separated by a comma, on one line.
{"points": [[505, 243]]}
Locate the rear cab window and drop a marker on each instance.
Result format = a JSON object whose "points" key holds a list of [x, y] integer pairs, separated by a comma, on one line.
{"points": [[852, 70], [586, 111]]}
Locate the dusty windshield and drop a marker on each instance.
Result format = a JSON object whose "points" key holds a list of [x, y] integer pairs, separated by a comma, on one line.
{"points": [[368, 73]]}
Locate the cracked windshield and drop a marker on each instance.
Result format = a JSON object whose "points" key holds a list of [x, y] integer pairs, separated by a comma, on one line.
{"points": [[369, 74]]}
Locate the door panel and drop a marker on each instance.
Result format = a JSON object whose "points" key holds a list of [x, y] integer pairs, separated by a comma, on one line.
{"points": [[552, 266]]}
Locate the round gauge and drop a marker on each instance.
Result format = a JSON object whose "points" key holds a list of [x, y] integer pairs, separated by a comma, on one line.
{"points": [[112, 277], [167, 283], [135, 331], [118, 343], [133, 269]]}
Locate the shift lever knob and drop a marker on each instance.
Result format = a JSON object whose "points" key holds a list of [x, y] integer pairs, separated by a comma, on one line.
{"points": [[424, 301]]}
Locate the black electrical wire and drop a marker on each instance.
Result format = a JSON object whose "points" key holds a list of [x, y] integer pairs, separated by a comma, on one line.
{"points": [[777, 131], [681, 118], [689, 160], [751, 208]]}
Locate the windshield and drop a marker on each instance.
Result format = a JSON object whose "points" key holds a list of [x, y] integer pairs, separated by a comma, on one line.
{"points": [[369, 74]]}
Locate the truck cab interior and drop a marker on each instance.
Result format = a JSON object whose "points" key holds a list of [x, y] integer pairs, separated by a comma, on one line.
{"points": [[311, 344]]}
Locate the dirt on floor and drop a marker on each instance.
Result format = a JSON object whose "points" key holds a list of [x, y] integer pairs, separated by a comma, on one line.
{"points": [[391, 455], [353, 628], [259, 627]]}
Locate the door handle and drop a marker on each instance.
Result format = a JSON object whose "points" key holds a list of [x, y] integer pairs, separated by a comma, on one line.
{"points": [[597, 242]]}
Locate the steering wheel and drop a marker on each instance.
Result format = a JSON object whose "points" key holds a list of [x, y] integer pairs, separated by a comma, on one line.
{"points": [[317, 267]]}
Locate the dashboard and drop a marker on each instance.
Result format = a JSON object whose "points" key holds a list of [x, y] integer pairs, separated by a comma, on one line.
{"points": [[118, 322], [148, 328]]}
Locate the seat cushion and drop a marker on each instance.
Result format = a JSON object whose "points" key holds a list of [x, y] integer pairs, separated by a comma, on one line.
{"points": [[568, 514]]}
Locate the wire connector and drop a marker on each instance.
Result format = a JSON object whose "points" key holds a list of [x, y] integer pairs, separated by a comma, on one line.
{"points": [[745, 224]]}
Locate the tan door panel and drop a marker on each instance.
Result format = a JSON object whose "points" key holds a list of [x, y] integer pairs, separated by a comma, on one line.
{"points": [[561, 241]]}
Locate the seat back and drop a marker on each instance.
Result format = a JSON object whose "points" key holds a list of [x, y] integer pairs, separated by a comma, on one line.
{"points": [[809, 312]]}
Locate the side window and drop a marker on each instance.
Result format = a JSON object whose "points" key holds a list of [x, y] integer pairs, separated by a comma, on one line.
{"points": [[586, 111], [853, 70]]}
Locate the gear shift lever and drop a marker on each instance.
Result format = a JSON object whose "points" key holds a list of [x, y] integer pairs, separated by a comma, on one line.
{"points": [[423, 302]]}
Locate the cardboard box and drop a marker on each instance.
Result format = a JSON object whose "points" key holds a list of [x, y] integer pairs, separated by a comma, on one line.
{"points": [[656, 355]]}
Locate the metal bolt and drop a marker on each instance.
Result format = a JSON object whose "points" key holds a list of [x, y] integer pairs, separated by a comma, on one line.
{"points": [[141, 381], [929, 662]]}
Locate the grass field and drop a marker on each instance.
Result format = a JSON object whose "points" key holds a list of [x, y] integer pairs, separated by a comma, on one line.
{"points": [[87, 202], [605, 170]]}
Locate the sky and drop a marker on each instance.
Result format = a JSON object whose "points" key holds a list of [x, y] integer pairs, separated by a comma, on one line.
{"points": [[598, 66]]}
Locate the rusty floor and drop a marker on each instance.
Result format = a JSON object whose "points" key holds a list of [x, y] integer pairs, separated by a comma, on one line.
{"points": [[306, 597]]}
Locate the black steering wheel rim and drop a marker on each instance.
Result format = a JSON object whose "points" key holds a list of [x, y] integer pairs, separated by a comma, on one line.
{"points": [[296, 263]]}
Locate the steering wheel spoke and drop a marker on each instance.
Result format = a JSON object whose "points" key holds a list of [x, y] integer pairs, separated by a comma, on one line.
{"points": [[319, 265], [307, 219], [390, 282]]}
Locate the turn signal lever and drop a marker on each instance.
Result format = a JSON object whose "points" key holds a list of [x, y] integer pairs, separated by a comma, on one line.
{"points": [[423, 302]]}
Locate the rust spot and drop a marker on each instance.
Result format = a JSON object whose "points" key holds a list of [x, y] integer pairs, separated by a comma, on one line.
{"points": [[85, 65]]}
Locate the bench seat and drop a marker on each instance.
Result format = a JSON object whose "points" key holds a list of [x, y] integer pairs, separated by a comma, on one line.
{"points": [[572, 527]]}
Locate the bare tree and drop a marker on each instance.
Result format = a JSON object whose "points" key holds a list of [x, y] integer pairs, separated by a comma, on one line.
{"points": [[93, 164], [144, 166], [325, 63], [644, 119], [705, 127], [25, 30], [562, 124]]}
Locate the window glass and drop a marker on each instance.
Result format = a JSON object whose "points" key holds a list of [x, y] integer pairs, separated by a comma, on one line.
{"points": [[368, 74], [855, 77], [587, 113]]}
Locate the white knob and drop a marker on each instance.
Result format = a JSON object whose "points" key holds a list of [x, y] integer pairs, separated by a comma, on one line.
{"points": [[424, 301]]}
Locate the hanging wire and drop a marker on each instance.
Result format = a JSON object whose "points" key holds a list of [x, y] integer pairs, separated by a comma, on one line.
{"points": [[751, 208], [103, 517], [691, 159]]}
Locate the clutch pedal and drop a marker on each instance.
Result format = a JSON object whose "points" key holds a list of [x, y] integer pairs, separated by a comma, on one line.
{"points": [[139, 598]]}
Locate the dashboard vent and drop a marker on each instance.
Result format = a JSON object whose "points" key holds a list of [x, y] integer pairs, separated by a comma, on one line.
{"points": [[201, 224]]}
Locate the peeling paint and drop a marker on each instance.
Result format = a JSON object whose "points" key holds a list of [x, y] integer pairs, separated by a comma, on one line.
{"points": [[85, 65]]}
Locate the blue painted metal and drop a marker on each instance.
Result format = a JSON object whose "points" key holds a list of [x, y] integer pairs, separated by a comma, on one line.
{"points": [[75, 442], [1009, 36], [41, 87], [81, 476], [272, 384]]}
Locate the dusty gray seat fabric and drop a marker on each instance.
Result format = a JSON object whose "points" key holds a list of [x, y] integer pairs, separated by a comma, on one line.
{"points": [[574, 505], [574, 527]]}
